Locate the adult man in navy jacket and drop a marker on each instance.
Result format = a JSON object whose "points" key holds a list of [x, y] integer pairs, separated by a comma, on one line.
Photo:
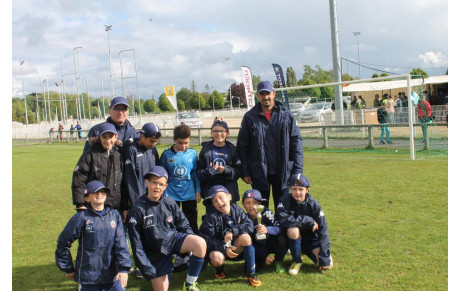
{"points": [[269, 145], [118, 111]]}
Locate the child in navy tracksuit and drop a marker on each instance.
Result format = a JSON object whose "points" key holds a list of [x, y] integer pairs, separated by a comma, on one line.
{"points": [[219, 162], [227, 234], [305, 224], [140, 156], [268, 236], [102, 257], [102, 162], [180, 162], [158, 229]]}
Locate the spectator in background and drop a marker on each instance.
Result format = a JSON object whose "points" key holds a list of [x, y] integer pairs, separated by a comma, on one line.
{"points": [[399, 109], [377, 101], [405, 100], [118, 111], [389, 108], [72, 128], [385, 130], [353, 103], [361, 103], [78, 128], [60, 129]]}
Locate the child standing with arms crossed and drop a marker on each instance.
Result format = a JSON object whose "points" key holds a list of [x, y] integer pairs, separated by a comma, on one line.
{"points": [[305, 225], [102, 257]]}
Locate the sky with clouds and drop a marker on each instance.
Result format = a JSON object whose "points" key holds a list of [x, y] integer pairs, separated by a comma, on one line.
{"points": [[176, 41]]}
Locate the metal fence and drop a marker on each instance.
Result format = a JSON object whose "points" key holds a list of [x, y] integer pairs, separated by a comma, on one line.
{"points": [[359, 131]]}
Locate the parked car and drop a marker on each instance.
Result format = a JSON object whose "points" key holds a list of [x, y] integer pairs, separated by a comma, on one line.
{"points": [[190, 118], [296, 108], [315, 112]]}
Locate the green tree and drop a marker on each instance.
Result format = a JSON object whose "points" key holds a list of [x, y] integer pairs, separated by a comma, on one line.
{"points": [[291, 79], [256, 80], [216, 99], [150, 106], [327, 92], [164, 104], [180, 105], [419, 72], [317, 75], [184, 94], [312, 92], [194, 101], [346, 77]]}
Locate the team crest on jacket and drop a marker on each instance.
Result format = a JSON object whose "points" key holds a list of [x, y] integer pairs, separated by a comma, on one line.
{"points": [[180, 171], [113, 224], [169, 219]]}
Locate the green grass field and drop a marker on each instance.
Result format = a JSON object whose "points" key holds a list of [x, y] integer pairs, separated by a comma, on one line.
{"points": [[387, 219]]}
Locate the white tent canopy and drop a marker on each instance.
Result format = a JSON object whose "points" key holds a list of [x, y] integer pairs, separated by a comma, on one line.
{"points": [[378, 86]]}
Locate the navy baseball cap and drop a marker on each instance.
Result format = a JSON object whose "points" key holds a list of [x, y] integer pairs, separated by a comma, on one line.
{"points": [[151, 130], [265, 86], [212, 192], [157, 171], [106, 127], [119, 100], [220, 123], [299, 180], [253, 193], [95, 186]]}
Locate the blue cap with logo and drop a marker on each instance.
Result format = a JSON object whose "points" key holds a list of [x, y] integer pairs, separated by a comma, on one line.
{"points": [[299, 180], [220, 123], [254, 194], [212, 192], [95, 186], [119, 100], [151, 130], [265, 86], [105, 127], [157, 171]]}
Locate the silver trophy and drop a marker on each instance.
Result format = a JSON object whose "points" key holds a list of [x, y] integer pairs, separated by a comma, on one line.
{"points": [[259, 209]]}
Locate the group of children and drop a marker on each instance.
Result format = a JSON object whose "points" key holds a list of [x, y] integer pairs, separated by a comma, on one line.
{"points": [[143, 197]]}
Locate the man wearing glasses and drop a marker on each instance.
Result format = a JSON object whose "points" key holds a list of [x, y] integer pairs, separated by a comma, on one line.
{"points": [[118, 111]]}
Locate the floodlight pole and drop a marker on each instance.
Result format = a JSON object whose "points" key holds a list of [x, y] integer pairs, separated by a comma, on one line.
{"points": [[357, 34], [103, 99], [229, 83], [108, 28], [25, 99], [411, 118], [336, 60], [87, 96], [77, 77]]}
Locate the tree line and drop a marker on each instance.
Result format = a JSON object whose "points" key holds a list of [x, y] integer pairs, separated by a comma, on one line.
{"points": [[187, 99]]}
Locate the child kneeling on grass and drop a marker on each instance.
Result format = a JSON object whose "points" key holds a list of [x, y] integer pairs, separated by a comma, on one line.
{"points": [[273, 238], [158, 229], [226, 232], [103, 256], [305, 225]]}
